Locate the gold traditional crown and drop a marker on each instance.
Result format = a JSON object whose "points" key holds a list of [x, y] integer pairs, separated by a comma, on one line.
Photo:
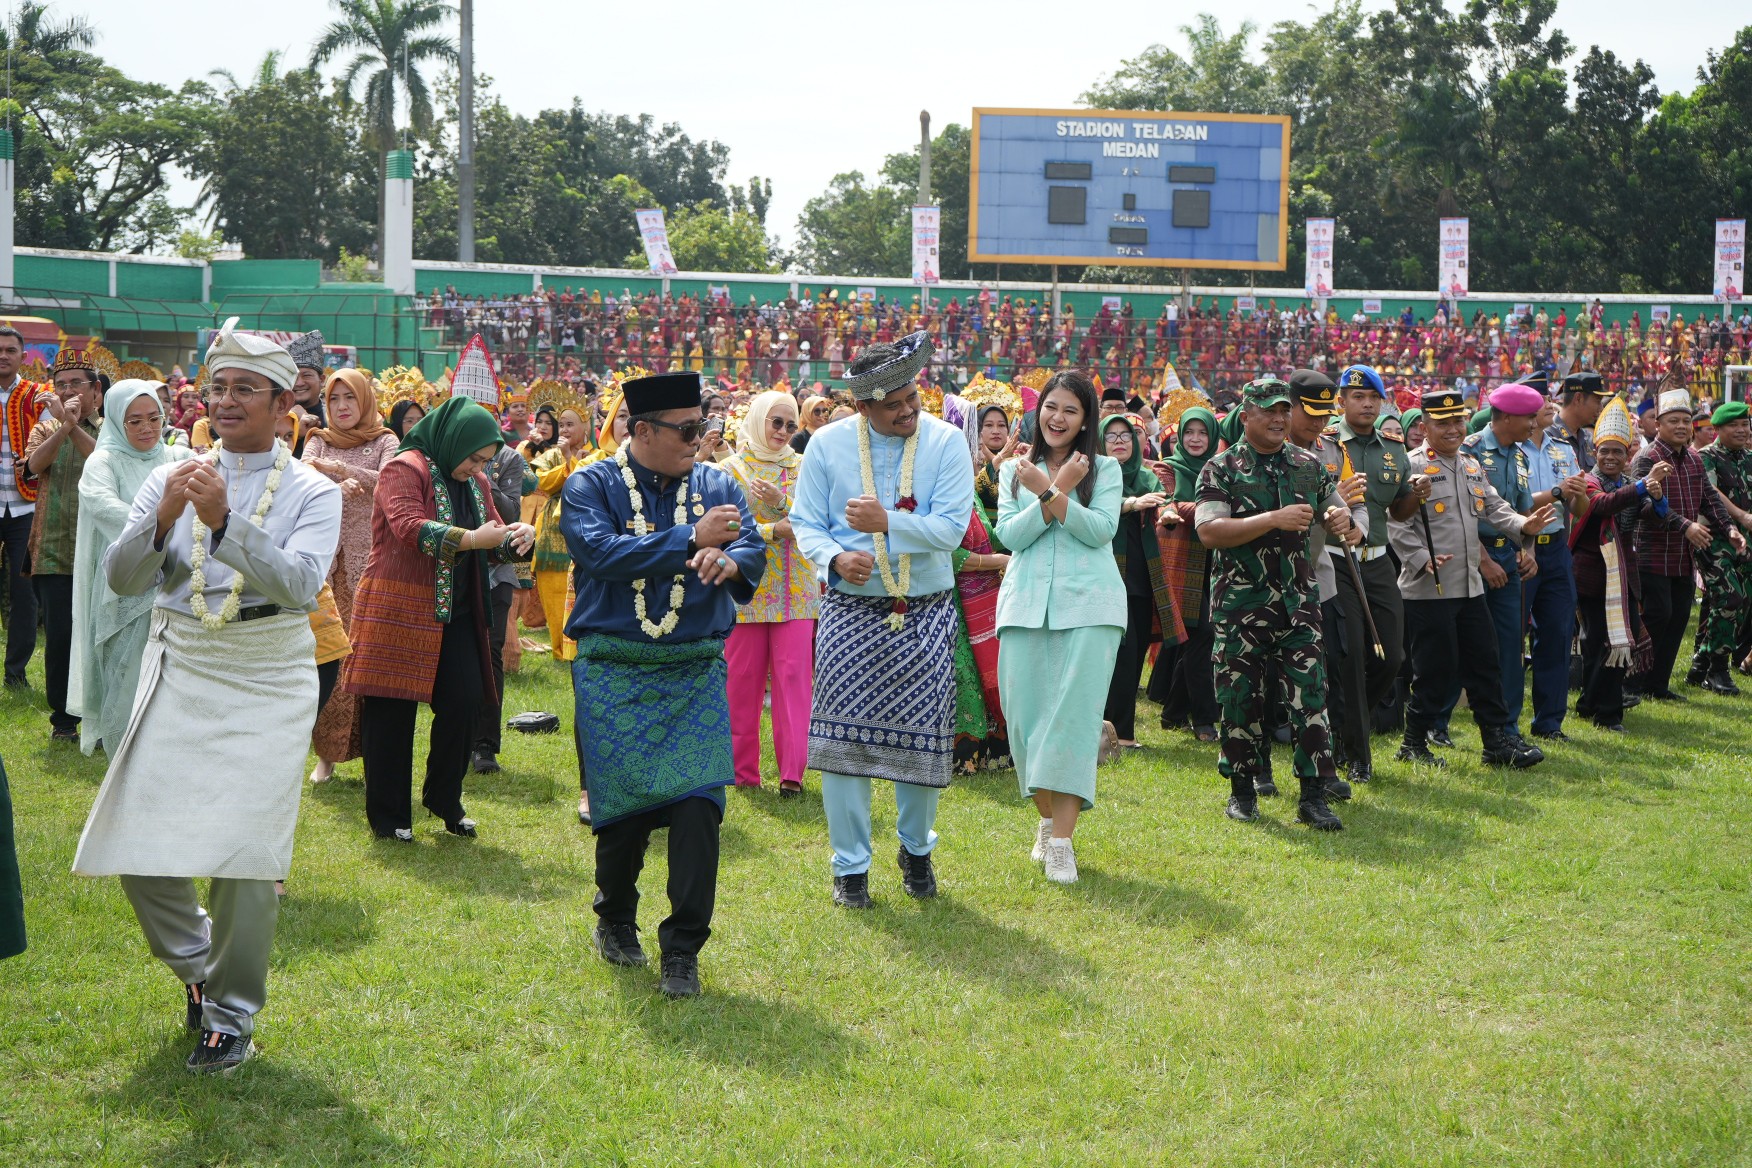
{"points": [[104, 361], [984, 391], [546, 393], [137, 370], [1035, 379], [1178, 402], [403, 383]]}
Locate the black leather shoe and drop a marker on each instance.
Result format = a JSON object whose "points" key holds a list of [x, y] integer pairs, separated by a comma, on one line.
{"points": [[1336, 788], [1611, 727], [1551, 735], [1720, 682], [1264, 787], [1440, 738], [196, 997], [681, 975], [217, 1053], [1362, 772], [1418, 752], [1632, 700], [1244, 812], [618, 942], [852, 891], [1503, 748], [1317, 815], [1665, 695], [1696, 676], [484, 763], [464, 827], [917, 874]]}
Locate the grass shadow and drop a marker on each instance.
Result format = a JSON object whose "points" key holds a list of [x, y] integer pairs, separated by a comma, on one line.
{"points": [[1444, 796], [1155, 903], [958, 940], [311, 923], [736, 1030], [265, 1112], [1375, 833], [473, 867]]}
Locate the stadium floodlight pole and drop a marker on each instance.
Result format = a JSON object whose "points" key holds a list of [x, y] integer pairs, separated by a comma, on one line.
{"points": [[465, 173]]}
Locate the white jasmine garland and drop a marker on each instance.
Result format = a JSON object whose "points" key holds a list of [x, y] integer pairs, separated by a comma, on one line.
{"points": [[677, 590], [198, 551], [909, 453]]}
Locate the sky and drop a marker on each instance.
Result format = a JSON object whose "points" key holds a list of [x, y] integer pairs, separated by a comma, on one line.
{"points": [[801, 92]]}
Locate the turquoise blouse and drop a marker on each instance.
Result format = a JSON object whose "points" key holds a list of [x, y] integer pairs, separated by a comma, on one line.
{"points": [[1061, 575]]}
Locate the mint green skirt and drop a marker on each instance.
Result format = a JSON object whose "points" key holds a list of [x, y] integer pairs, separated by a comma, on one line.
{"points": [[1053, 684]]}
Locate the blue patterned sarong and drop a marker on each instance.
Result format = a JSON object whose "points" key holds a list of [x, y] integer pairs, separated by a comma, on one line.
{"points": [[884, 701], [654, 724]]}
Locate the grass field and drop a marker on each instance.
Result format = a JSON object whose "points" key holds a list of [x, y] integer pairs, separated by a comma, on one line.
{"points": [[1544, 967]]}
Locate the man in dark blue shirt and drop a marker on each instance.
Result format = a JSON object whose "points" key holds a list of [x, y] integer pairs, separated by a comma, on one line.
{"points": [[664, 551]]}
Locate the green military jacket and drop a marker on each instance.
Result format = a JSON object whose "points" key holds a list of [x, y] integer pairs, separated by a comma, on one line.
{"points": [[1730, 472], [1382, 458]]}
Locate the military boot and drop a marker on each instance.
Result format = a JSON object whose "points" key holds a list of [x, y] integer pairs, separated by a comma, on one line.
{"points": [[1313, 811], [1719, 681], [1416, 748], [1505, 749]]}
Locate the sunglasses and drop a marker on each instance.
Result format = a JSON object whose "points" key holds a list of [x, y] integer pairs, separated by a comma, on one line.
{"points": [[689, 431], [787, 427]]}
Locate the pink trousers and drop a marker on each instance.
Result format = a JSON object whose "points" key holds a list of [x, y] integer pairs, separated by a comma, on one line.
{"points": [[785, 652]]}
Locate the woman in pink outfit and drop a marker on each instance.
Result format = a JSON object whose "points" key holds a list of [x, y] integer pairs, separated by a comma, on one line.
{"points": [[774, 638]]}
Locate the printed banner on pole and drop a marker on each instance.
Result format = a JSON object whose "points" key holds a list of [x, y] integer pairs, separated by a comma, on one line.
{"points": [[927, 224], [1451, 267], [1317, 276], [1730, 265], [656, 237]]}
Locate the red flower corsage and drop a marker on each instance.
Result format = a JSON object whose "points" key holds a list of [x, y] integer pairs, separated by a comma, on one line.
{"points": [[907, 503], [899, 606]]}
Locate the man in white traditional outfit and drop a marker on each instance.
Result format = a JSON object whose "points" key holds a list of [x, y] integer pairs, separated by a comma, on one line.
{"points": [[882, 501], [205, 782]]}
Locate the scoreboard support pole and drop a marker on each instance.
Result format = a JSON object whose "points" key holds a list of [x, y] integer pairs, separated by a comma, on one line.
{"points": [[1055, 298]]}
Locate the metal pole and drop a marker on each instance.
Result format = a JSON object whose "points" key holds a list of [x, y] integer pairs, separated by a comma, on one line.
{"points": [[465, 175], [924, 192]]}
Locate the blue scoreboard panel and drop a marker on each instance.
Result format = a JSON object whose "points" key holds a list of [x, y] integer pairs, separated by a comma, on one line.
{"points": [[1137, 188]]}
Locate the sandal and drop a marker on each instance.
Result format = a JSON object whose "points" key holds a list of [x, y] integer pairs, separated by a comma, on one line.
{"points": [[789, 788], [1205, 732]]}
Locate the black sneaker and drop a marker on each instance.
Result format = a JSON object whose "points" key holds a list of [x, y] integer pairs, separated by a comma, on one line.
{"points": [[618, 942], [1317, 815], [196, 997], [681, 975], [852, 891], [485, 762], [1440, 738], [917, 874], [1336, 788], [1418, 752], [219, 1054], [1244, 812]]}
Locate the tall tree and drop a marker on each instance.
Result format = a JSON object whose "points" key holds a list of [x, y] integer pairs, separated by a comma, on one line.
{"points": [[389, 40], [854, 229]]}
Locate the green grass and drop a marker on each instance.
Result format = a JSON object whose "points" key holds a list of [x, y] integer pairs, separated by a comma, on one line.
{"points": [[1545, 967]]}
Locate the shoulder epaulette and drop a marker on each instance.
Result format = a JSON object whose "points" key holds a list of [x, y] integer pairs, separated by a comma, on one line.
{"points": [[1330, 431], [1399, 438]]}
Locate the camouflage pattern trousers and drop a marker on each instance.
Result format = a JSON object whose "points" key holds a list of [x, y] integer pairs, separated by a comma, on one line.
{"points": [[1727, 589], [1255, 653]]}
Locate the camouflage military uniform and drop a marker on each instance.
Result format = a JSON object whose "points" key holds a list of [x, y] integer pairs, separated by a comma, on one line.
{"points": [[1727, 576], [1265, 606]]}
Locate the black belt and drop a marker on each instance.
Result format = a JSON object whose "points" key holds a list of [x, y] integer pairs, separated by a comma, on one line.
{"points": [[258, 611]]}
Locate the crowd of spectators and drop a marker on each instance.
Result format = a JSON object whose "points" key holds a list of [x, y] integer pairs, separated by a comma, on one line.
{"points": [[575, 336]]}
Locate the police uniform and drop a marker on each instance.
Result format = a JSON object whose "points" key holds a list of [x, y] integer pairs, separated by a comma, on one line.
{"points": [[1368, 680], [1727, 576], [1505, 468], [1445, 611], [1266, 611]]}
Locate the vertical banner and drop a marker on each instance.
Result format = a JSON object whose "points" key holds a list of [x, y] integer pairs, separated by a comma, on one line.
{"points": [[927, 266], [1730, 260], [1317, 274], [656, 237], [1452, 277]]}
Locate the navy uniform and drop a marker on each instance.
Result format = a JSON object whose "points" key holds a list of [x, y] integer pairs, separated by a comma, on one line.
{"points": [[1445, 609], [1367, 680], [1549, 598], [1505, 467]]}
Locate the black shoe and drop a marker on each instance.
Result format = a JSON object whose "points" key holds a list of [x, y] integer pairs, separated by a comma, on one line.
{"points": [[1551, 735], [1611, 727], [401, 835], [64, 734], [196, 996], [219, 1053], [1245, 812], [852, 891], [1362, 772], [464, 827], [1632, 700], [681, 975], [618, 942], [917, 874], [1697, 674], [1665, 695], [1336, 788], [1282, 736], [1317, 815], [1720, 682], [17, 681], [1264, 787], [1440, 738], [484, 762], [1205, 732], [1418, 752], [1502, 748]]}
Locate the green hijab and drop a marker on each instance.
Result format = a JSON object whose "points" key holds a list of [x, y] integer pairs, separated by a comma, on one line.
{"points": [[1187, 468], [1138, 481], [450, 434], [1410, 418]]}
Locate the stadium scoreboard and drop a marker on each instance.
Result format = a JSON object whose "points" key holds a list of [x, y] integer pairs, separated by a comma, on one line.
{"points": [[1129, 188]]}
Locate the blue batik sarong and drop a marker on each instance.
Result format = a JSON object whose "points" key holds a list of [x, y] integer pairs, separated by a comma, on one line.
{"points": [[654, 724]]}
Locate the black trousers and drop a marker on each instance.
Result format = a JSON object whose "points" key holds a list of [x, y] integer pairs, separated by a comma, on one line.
{"points": [[1128, 665], [1666, 610], [1453, 645], [1365, 679], [492, 716], [1602, 696], [693, 870], [386, 738], [54, 596], [1188, 683], [327, 674], [21, 618]]}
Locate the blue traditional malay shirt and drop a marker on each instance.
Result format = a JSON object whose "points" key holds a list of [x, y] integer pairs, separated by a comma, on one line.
{"points": [[596, 517], [930, 532]]}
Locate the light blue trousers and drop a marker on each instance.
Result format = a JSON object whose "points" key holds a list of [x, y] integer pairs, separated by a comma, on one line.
{"points": [[847, 803]]}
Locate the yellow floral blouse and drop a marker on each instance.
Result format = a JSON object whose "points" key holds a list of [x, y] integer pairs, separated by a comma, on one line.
{"points": [[790, 589]]}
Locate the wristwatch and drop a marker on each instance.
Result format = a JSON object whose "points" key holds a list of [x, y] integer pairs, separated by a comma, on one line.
{"points": [[1048, 495]]}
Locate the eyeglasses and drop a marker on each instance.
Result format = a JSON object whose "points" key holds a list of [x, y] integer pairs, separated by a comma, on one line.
{"points": [[689, 431], [150, 420], [1117, 436], [241, 394], [787, 427]]}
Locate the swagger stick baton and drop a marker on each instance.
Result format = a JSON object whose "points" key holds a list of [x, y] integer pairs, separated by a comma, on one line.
{"points": [[1350, 557], [1430, 543]]}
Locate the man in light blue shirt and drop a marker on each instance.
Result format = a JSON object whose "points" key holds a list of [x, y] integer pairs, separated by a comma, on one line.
{"points": [[882, 501], [1554, 475]]}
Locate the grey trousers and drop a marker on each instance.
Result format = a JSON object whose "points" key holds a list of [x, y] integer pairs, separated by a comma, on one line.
{"points": [[229, 950]]}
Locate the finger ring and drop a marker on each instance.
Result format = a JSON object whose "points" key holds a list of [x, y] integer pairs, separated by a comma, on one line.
{"points": [[723, 561]]}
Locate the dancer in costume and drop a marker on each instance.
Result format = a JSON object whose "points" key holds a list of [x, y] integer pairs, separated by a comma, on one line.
{"points": [[665, 550], [553, 568], [882, 504], [206, 779]]}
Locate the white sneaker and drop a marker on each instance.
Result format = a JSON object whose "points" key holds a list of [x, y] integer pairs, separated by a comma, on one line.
{"points": [[1061, 862], [1041, 836]]}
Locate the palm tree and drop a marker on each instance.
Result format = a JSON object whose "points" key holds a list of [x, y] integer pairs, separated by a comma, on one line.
{"points": [[388, 39], [32, 33]]}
